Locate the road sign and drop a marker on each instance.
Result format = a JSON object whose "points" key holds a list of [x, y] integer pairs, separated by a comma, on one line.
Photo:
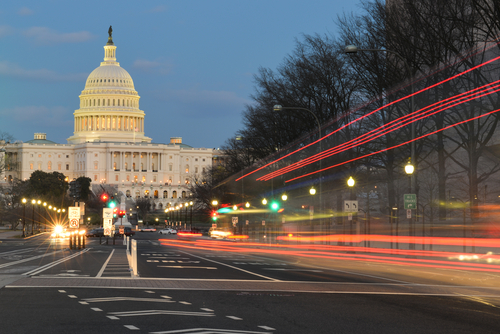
{"points": [[408, 213], [351, 206], [74, 223], [74, 212], [107, 213], [410, 201], [108, 226], [235, 221], [349, 216]]}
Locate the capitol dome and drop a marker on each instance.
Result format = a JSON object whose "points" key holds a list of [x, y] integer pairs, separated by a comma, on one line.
{"points": [[109, 105]]}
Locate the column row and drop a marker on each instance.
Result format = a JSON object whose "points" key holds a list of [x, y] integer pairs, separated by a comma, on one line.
{"points": [[109, 123]]}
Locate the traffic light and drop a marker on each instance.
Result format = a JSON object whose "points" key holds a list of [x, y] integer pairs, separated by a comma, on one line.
{"points": [[121, 213], [115, 212], [215, 215], [112, 203], [275, 206], [104, 198]]}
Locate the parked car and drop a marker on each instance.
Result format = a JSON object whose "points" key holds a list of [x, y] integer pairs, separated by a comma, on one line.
{"points": [[167, 231], [96, 232], [148, 229], [127, 232]]}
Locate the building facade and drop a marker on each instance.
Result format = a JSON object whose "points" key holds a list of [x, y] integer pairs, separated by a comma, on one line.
{"points": [[109, 146]]}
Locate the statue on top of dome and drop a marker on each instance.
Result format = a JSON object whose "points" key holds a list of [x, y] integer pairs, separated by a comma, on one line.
{"points": [[110, 38]]}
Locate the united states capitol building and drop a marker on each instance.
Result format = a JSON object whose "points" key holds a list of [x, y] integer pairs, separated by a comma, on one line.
{"points": [[109, 145]]}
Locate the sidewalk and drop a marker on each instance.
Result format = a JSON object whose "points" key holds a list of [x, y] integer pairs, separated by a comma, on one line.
{"points": [[9, 234]]}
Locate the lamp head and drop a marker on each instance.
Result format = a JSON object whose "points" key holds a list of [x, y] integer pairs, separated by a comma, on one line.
{"points": [[351, 49], [277, 107], [409, 168], [350, 182]]}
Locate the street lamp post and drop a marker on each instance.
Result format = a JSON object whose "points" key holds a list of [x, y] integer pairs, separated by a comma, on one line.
{"points": [[33, 202], [409, 169], [24, 200], [350, 183], [279, 108]]}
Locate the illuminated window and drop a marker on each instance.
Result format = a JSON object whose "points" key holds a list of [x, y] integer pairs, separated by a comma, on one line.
{"points": [[59, 167], [49, 165], [31, 166], [143, 179], [116, 177], [67, 166], [128, 178]]}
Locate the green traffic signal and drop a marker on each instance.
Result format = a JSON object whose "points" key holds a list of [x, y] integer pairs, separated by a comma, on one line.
{"points": [[275, 206]]}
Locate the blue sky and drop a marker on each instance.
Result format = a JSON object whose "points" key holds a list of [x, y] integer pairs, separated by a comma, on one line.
{"points": [[192, 62]]}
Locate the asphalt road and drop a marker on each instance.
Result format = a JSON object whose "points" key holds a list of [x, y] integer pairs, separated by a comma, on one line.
{"points": [[184, 288]]}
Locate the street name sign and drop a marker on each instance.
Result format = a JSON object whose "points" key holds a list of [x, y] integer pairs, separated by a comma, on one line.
{"points": [[410, 201]]}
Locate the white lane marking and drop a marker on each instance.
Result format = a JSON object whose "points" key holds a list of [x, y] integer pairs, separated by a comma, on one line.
{"points": [[96, 309], [206, 309], [267, 328], [227, 265], [62, 291], [186, 267], [283, 269], [157, 312], [233, 317], [149, 291], [18, 251], [99, 274], [117, 299], [166, 297], [72, 296], [28, 259], [131, 327], [185, 303], [336, 270], [112, 318], [55, 263], [84, 303]]}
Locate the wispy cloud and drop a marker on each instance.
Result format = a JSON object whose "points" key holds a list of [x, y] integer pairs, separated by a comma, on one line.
{"points": [[5, 31], [156, 66], [44, 35], [13, 70], [220, 102], [42, 115], [157, 9], [25, 11]]}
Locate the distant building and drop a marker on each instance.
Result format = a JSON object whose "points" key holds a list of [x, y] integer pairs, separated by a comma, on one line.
{"points": [[109, 146]]}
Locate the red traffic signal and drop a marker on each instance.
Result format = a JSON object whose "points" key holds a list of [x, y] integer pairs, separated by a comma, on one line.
{"points": [[121, 213], [104, 197]]}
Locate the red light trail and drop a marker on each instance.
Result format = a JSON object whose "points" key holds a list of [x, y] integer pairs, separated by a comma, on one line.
{"points": [[389, 127], [395, 146], [371, 113], [387, 256]]}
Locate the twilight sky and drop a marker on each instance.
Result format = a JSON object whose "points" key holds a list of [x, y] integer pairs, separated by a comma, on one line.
{"points": [[192, 62]]}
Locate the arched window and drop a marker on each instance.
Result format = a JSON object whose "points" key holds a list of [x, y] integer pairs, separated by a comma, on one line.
{"points": [[156, 194], [165, 194], [49, 165], [183, 194], [137, 194], [174, 194], [127, 193], [146, 193]]}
